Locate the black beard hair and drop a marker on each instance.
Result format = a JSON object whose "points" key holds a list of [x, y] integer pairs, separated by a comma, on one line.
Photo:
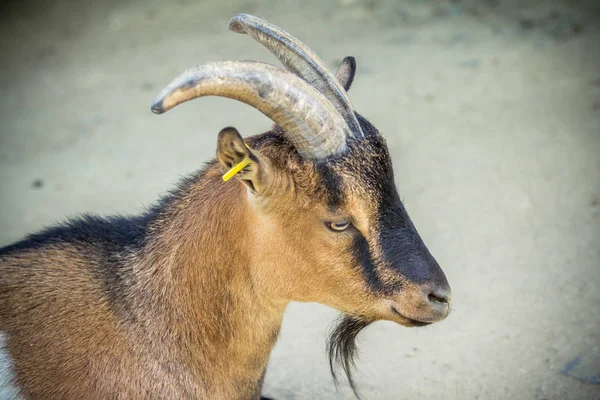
{"points": [[341, 347]]}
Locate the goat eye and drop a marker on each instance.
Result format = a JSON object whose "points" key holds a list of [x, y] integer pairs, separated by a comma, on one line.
{"points": [[338, 226]]}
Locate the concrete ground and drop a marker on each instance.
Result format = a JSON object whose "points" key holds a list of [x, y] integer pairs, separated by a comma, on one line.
{"points": [[492, 114]]}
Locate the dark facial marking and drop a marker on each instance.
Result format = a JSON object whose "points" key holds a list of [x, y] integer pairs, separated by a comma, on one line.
{"points": [[364, 258], [404, 251], [401, 245], [332, 185]]}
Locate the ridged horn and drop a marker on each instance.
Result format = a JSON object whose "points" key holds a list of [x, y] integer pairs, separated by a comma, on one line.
{"points": [[311, 122], [301, 60]]}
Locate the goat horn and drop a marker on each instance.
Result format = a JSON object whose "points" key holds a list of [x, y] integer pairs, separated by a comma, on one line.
{"points": [[301, 60], [312, 124]]}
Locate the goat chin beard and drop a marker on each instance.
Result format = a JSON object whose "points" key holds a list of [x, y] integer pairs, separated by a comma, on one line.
{"points": [[342, 349]]}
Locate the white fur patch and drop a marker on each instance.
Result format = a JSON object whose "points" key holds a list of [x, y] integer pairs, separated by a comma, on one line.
{"points": [[7, 390]]}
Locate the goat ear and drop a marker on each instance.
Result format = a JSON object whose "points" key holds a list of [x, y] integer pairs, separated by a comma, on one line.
{"points": [[345, 72], [231, 150]]}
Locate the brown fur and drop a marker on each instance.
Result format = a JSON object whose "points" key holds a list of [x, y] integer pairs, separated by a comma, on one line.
{"points": [[193, 301], [200, 294]]}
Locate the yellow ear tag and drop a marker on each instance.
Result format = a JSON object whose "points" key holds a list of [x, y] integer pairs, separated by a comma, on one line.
{"points": [[236, 168]]}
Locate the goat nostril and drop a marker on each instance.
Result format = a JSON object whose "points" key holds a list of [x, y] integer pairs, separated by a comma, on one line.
{"points": [[438, 298]]}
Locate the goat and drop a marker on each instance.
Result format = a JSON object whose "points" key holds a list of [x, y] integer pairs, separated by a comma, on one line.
{"points": [[187, 300]]}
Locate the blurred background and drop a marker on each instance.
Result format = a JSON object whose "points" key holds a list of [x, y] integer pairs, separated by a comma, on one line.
{"points": [[491, 110]]}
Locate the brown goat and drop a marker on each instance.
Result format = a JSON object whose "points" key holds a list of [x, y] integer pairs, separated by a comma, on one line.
{"points": [[186, 301]]}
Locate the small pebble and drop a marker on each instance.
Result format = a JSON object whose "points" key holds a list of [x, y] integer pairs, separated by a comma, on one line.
{"points": [[37, 184]]}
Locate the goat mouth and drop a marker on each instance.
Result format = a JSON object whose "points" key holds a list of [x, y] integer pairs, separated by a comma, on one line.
{"points": [[409, 322]]}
